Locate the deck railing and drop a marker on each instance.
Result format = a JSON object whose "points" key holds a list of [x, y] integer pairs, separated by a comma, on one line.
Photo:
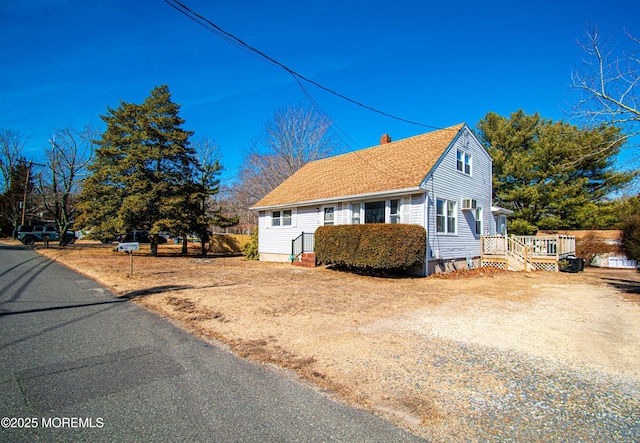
{"points": [[558, 246], [527, 252]]}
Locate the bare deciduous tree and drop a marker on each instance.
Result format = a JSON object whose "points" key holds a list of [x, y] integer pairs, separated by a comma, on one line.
{"points": [[292, 138], [15, 181], [11, 146], [68, 157], [609, 83]]}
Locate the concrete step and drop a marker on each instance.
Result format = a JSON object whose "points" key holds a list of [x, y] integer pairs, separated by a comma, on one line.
{"points": [[307, 260]]}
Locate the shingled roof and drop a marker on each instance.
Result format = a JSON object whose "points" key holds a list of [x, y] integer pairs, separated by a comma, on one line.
{"points": [[402, 164]]}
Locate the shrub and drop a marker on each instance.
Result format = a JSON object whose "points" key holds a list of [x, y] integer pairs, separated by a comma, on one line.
{"points": [[591, 245], [631, 237], [228, 243], [372, 246], [520, 226], [250, 249]]}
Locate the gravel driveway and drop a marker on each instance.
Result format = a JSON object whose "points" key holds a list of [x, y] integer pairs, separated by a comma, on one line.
{"points": [[488, 356]]}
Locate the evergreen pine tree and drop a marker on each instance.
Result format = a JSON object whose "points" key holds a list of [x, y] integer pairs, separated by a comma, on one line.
{"points": [[547, 172], [142, 171]]}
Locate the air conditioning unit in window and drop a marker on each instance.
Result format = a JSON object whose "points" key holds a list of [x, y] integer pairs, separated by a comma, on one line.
{"points": [[469, 204]]}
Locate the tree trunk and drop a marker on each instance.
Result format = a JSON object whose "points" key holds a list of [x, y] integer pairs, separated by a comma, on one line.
{"points": [[184, 244], [204, 243], [154, 245]]}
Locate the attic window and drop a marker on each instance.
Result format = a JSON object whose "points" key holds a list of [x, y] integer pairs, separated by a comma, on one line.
{"points": [[463, 162]]}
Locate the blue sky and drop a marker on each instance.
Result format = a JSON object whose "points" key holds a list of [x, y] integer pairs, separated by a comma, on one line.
{"points": [[439, 63]]}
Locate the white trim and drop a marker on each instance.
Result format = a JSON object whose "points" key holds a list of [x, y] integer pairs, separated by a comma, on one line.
{"points": [[465, 155], [498, 210], [323, 215], [269, 218], [349, 198], [447, 216]]}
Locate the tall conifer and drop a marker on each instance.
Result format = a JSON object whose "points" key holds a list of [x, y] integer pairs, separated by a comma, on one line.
{"points": [[142, 171]]}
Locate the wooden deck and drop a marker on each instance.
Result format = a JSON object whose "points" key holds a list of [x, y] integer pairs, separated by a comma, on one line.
{"points": [[526, 253]]}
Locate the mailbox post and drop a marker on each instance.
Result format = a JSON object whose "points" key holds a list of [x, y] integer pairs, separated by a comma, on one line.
{"points": [[129, 247]]}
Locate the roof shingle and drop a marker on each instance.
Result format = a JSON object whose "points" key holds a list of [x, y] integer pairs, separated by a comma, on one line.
{"points": [[391, 166]]}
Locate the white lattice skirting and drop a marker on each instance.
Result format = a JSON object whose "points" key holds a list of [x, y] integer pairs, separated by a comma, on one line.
{"points": [[545, 266], [499, 265], [535, 266]]}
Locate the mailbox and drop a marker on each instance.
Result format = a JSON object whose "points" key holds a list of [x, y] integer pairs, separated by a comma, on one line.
{"points": [[131, 246]]}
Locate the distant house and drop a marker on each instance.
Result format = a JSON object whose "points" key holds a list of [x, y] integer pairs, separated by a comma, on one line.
{"points": [[440, 180], [615, 258]]}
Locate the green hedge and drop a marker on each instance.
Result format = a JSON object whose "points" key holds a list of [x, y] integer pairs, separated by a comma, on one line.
{"points": [[371, 246]]}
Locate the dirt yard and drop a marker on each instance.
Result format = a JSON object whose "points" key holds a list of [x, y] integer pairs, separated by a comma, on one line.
{"points": [[485, 355]]}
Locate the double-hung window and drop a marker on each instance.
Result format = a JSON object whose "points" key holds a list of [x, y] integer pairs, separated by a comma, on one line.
{"points": [[275, 218], [446, 216], [281, 218], [463, 162], [286, 217], [394, 213], [479, 221]]}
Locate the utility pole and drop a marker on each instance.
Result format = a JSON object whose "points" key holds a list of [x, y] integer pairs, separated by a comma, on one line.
{"points": [[26, 187]]}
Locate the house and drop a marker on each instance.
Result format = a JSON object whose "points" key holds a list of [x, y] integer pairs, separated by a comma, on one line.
{"points": [[441, 180], [607, 243]]}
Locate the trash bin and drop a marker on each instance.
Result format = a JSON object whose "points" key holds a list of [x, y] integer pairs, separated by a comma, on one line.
{"points": [[572, 264]]}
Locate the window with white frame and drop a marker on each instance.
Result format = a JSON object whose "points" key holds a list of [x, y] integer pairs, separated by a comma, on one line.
{"points": [[394, 211], [355, 213], [478, 221], [276, 218], [446, 216], [463, 162], [328, 216], [374, 212], [282, 218], [286, 218]]}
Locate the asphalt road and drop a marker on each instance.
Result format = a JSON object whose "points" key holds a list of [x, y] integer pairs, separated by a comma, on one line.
{"points": [[78, 364]]}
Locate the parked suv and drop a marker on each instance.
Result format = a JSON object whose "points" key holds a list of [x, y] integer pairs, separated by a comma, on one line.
{"points": [[29, 234], [140, 237]]}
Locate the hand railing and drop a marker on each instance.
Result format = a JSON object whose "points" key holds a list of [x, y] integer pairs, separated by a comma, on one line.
{"points": [[305, 242]]}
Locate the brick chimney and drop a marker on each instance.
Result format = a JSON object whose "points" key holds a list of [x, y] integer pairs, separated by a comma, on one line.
{"points": [[386, 138]]}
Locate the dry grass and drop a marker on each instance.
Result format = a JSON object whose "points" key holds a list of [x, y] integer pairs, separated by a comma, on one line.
{"points": [[379, 343]]}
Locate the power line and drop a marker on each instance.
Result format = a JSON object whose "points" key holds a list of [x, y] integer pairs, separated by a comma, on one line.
{"points": [[230, 38], [338, 131]]}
